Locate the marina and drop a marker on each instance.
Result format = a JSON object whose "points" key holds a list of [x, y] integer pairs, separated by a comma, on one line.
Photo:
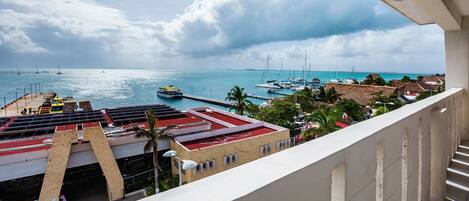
{"points": [[139, 86]]}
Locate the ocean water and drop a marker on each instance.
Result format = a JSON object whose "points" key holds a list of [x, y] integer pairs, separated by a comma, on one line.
{"points": [[108, 88]]}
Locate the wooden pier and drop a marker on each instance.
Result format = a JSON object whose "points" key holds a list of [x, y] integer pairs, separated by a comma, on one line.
{"points": [[259, 97], [208, 100]]}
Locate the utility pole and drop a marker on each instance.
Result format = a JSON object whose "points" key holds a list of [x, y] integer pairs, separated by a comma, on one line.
{"points": [[24, 96], [31, 90], [16, 100], [5, 105]]}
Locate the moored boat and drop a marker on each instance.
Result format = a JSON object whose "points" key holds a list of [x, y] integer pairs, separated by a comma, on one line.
{"points": [[169, 92]]}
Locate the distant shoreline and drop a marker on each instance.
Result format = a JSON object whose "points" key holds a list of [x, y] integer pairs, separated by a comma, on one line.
{"points": [[51, 70]]}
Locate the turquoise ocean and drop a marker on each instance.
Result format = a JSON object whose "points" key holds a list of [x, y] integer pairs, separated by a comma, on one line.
{"points": [[108, 88]]}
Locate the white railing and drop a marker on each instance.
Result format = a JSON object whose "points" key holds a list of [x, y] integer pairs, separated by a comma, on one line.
{"points": [[385, 158]]}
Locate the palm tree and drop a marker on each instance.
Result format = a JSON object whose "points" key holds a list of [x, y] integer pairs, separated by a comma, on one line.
{"points": [[326, 118], [152, 134], [237, 95]]}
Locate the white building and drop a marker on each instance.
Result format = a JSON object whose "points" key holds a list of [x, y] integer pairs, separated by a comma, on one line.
{"points": [[402, 155]]}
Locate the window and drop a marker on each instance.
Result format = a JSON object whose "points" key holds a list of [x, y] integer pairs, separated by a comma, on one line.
{"points": [[211, 164], [207, 165], [200, 167], [227, 159], [283, 144], [231, 158], [266, 149]]}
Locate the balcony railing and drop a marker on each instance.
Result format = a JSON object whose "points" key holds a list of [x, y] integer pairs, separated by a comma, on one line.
{"points": [[401, 155]]}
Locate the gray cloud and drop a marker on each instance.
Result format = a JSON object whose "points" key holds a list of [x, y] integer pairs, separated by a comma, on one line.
{"points": [[211, 33]]}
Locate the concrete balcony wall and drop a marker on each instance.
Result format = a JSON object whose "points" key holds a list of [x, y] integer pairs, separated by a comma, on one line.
{"points": [[401, 155]]}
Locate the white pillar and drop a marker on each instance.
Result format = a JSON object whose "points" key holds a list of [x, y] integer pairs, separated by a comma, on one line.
{"points": [[457, 67]]}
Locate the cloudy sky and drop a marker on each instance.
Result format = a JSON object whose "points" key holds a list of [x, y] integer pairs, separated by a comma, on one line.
{"points": [[181, 34]]}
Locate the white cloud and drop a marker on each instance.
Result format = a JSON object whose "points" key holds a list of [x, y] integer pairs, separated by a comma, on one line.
{"points": [[18, 41]]}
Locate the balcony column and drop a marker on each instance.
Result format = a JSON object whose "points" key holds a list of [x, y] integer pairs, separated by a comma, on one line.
{"points": [[457, 68]]}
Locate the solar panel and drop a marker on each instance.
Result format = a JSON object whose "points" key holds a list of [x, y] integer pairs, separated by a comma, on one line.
{"points": [[40, 124]]}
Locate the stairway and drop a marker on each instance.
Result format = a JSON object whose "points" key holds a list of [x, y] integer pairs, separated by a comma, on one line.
{"points": [[457, 180], [101, 148], [57, 163]]}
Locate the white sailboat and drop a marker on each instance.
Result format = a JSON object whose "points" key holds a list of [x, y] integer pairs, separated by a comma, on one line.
{"points": [[350, 80], [270, 84]]}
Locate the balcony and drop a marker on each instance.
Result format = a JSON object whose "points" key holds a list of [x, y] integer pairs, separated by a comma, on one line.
{"points": [[401, 155]]}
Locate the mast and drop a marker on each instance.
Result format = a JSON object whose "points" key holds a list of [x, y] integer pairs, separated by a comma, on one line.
{"points": [[60, 72], [267, 68], [37, 69], [304, 68]]}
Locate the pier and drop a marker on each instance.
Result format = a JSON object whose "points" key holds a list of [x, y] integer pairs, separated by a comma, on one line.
{"points": [[15, 107], [209, 100], [259, 97], [279, 93]]}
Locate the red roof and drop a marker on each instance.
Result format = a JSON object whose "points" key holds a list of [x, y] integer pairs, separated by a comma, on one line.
{"points": [[225, 118], [207, 142], [189, 118]]}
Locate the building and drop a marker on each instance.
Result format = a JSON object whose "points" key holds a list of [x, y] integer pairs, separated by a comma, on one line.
{"points": [[362, 94], [234, 141], [410, 90], [416, 152], [434, 80], [50, 154]]}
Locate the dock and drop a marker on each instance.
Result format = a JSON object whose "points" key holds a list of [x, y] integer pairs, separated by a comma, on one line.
{"points": [[15, 107], [259, 97], [209, 100], [279, 93]]}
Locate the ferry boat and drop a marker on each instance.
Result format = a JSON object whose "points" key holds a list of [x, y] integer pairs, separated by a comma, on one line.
{"points": [[169, 92]]}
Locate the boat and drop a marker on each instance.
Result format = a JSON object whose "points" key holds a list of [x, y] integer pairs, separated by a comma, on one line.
{"points": [[271, 84], [57, 106], [37, 70], [169, 92], [60, 72]]}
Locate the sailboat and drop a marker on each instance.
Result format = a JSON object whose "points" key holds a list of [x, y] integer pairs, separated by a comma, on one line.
{"points": [[18, 71], [271, 84], [351, 80], [336, 80], [60, 72], [37, 69]]}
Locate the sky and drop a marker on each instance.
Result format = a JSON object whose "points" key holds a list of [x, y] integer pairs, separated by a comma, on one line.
{"points": [[336, 35]]}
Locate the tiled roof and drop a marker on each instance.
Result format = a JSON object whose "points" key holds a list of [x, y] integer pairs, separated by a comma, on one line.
{"points": [[362, 94]]}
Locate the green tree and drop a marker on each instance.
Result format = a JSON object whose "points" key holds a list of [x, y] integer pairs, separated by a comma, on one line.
{"points": [[305, 98], [152, 134], [392, 101], [352, 108], [326, 118], [280, 113], [237, 95], [424, 95], [405, 79], [371, 80], [381, 110], [252, 110], [328, 96]]}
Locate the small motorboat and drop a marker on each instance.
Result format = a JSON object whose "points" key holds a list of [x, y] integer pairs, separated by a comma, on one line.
{"points": [[169, 92]]}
